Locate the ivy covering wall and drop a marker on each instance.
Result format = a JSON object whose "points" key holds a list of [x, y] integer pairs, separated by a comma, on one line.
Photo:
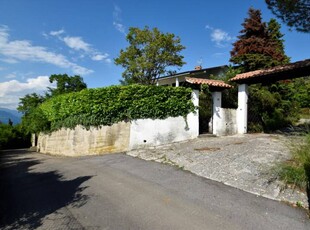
{"points": [[105, 106]]}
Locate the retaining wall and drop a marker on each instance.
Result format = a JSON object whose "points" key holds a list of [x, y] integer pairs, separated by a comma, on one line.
{"points": [[119, 137]]}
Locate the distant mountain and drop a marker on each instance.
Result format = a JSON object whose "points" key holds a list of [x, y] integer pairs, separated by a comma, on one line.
{"points": [[6, 114]]}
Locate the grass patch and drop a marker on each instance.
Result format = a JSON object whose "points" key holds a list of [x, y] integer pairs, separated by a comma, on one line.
{"points": [[296, 171]]}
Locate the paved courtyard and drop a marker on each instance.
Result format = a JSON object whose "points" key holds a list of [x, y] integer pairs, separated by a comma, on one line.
{"points": [[246, 162]]}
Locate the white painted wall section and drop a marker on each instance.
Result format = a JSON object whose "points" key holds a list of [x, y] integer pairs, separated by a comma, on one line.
{"points": [[227, 124], [148, 132], [242, 111]]}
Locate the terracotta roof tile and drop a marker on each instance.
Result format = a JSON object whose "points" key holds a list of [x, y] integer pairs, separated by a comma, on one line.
{"points": [[210, 82], [277, 69]]}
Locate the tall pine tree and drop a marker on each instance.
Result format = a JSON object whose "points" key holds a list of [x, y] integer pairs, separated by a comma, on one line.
{"points": [[276, 35], [258, 46]]}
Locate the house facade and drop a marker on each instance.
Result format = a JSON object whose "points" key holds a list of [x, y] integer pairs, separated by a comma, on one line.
{"points": [[223, 121]]}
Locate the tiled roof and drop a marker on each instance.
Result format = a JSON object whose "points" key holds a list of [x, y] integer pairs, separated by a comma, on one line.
{"points": [[210, 82], [274, 70]]}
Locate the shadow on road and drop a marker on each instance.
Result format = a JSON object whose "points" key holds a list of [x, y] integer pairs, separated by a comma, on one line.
{"points": [[26, 197]]}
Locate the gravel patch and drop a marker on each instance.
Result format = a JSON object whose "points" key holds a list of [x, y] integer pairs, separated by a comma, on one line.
{"points": [[246, 162]]}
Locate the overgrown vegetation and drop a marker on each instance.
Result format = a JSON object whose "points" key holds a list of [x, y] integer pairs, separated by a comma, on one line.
{"points": [[12, 136], [33, 120], [273, 107], [296, 171], [105, 106], [260, 45]]}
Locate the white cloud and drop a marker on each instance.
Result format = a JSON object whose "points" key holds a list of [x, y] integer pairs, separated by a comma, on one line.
{"points": [[117, 20], [99, 57], [10, 76], [22, 50], [209, 27], [217, 55], [219, 36], [77, 43], [120, 27], [9, 60], [11, 91], [57, 33]]}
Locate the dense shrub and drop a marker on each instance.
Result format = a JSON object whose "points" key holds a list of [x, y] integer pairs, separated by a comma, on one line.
{"points": [[105, 106], [12, 137], [272, 107]]}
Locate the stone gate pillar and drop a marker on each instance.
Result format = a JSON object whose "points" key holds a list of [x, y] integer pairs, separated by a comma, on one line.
{"points": [[217, 104], [242, 111]]}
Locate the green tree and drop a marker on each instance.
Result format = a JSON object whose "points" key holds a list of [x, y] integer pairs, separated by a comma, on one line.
{"points": [[274, 32], [149, 54], [65, 84], [293, 13], [29, 102], [13, 137], [33, 120], [258, 46]]}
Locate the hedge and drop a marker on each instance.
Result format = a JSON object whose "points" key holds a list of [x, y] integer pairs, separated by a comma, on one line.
{"points": [[105, 106]]}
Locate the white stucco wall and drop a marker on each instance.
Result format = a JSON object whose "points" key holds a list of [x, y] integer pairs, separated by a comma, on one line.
{"points": [[226, 124], [148, 132]]}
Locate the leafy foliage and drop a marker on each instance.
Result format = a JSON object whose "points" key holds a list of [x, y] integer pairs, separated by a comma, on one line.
{"points": [[13, 137], [65, 84], [293, 13], [105, 106], [205, 108], [33, 120], [148, 55], [273, 105], [259, 46], [302, 92], [275, 35], [29, 102]]}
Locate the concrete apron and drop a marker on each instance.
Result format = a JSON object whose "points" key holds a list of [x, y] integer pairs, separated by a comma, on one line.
{"points": [[246, 162]]}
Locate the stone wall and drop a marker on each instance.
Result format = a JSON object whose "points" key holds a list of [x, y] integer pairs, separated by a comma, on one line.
{"points": [[79, 141], [119, 137], [122, 136]]}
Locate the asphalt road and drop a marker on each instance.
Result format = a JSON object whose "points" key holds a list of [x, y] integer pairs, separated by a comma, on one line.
{"points": [[120, 192]]}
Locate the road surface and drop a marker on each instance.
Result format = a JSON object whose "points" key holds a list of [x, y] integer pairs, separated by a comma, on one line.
{"points": [[120, 192]]}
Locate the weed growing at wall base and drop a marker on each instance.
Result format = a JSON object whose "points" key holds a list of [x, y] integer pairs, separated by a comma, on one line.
{"points": [[296, 171]]}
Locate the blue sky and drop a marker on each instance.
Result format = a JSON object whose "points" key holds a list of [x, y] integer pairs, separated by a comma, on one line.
{"points": [[82, 37]]}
